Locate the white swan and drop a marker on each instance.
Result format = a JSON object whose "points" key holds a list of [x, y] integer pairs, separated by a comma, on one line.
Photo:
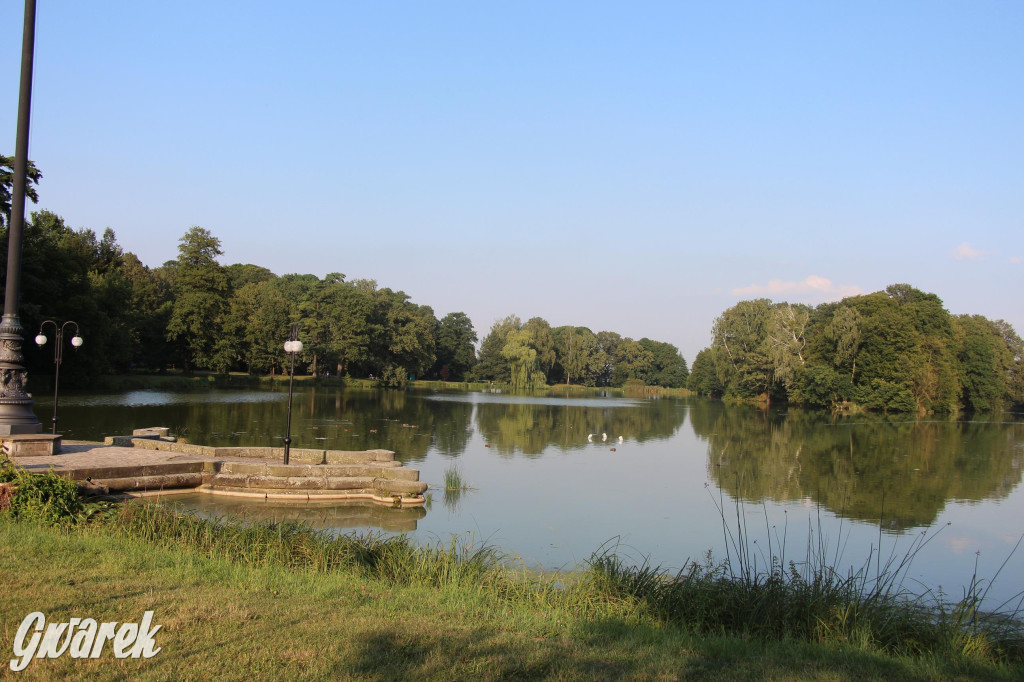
{"points": [[604, 437], [590, 438], [620, 439]]}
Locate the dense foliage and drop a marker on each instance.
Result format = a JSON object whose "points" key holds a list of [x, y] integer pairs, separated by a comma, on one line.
{"points": [[195, 313], [533, 354], [894, 350]]}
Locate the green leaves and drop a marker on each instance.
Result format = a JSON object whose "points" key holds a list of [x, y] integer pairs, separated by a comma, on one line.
{"points": [[897, 350], [7, 185]]}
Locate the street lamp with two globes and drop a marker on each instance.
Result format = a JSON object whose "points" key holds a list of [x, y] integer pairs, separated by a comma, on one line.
{"points": [[58, 354]]}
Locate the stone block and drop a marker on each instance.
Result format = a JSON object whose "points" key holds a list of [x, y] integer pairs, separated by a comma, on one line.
{"points": [[400, 474], [31, 444], [348, 483], [152, 482], [246, 468], [291, 470], [357, 456], [286, 482], [152, 432], [391, 486]]}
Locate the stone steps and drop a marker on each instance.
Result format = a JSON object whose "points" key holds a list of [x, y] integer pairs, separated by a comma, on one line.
{"points": [[252, 472]]}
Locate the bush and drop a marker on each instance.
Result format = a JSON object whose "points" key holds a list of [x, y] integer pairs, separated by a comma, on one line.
{"points": [[45, 498]]}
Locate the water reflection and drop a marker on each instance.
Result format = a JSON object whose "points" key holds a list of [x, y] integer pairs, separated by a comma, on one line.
{"points": [[328, 515], [868, 468], [530, 428]]}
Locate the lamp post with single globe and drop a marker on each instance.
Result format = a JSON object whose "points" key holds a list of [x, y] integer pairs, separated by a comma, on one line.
{"points": [[58, 355], [292, 347]]}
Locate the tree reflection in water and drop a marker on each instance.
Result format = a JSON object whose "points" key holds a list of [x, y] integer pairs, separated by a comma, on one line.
{"points": [[868, 467]]}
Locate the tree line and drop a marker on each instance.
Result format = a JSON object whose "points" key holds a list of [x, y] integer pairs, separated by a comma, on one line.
{"points": [[533, 354], [193, 313], [893, 350]]}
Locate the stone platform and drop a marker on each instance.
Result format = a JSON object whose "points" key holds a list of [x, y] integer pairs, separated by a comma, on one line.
{"points": [[149, 465]]}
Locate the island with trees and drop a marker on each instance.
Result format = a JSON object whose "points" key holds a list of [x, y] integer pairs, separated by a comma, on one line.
{"points": [[895, 350]]}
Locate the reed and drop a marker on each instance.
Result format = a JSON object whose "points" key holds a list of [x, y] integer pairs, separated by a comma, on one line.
{"points": [[757, 593], [453, 479]]}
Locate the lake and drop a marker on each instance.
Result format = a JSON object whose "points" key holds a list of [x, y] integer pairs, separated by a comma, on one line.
{"points": [[543, 491]]}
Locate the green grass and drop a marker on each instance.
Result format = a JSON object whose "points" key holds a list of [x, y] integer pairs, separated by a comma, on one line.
{"points": [[240, 605], [244, 601]]}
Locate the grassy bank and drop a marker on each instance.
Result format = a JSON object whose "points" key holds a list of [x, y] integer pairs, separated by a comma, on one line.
{"points": [[285, 602], [202, 381], [232, 618]]}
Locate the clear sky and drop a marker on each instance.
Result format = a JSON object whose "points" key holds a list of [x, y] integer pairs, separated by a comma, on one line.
{"points": [[631, 166]]}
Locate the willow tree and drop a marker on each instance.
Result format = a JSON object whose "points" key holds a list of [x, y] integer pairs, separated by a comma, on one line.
{"points": [[524, 371]]}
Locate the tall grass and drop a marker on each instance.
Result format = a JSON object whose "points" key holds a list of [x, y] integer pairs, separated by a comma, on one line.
{"points": [[757, 592], [808, 600], [296, 545]]}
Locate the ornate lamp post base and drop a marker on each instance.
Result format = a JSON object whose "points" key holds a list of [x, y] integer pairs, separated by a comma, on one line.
{"points": [[16, 415]]}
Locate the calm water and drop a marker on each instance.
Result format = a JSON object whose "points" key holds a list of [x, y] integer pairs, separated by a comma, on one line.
{"points": [[546, 493]]}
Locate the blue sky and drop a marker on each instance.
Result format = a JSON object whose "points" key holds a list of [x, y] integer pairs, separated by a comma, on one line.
{"points": [[637, 167]]}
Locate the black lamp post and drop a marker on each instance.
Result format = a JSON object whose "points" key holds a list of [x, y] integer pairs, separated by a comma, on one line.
{"points": [[16, 415], [292, 347], [58, 355]]}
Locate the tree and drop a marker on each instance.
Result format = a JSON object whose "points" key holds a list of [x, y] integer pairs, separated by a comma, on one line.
{"points": [[149, 311], [738, 346], [633, 361], [577, 354], [544, 343], [256, 325], [524, 372], [988, 361], [491, 365], [608, 344], [7, 186], [667, 367], [200, 301], [844, 331], [786, 340], [456, 352], [703, 379]]}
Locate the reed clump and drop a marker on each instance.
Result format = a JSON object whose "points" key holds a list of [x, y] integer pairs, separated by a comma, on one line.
{"points": [[453, 479], [764, 595]]}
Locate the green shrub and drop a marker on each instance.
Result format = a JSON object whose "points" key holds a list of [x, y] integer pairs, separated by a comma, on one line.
{"points": [[45, 498]]}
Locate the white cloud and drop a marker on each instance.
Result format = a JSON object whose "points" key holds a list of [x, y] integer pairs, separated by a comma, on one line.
{"points": [[811, 288], [1014, 260], [967, 252]]}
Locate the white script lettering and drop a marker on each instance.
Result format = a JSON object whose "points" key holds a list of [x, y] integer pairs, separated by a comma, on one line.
{"points": [[82, 638]]}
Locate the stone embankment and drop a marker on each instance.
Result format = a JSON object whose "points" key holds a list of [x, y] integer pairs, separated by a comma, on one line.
{"points": [[149, 462]]}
